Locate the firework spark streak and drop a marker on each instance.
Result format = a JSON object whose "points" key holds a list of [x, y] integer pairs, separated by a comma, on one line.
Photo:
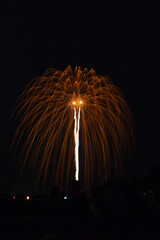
{"points": [[76, 136], [51, 110]]}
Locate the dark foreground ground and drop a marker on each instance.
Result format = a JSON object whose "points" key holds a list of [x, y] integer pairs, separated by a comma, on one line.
{"points": [[122, 209]]}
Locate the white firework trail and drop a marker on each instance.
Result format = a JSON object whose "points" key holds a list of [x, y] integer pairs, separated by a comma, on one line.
{"points": [[76, 137]]}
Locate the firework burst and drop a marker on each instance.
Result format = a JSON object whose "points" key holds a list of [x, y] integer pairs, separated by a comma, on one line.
{"points": [[55, 108]]}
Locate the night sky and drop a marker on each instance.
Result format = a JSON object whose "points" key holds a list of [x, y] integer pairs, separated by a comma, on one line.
{"points": [[120, 39]]}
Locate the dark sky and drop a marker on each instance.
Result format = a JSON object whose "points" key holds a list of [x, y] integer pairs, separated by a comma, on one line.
{"points": [[120, 39]]}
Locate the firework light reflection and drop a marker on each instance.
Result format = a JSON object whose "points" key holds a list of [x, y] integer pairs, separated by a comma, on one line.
{"points": [[51, 110]]}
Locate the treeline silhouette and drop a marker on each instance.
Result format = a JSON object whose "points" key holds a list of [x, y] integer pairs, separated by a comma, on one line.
{"points": [[124, 208]]}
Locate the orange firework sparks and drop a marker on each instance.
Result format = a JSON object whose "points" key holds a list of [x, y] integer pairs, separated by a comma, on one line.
{"points": [[48, 110]]}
